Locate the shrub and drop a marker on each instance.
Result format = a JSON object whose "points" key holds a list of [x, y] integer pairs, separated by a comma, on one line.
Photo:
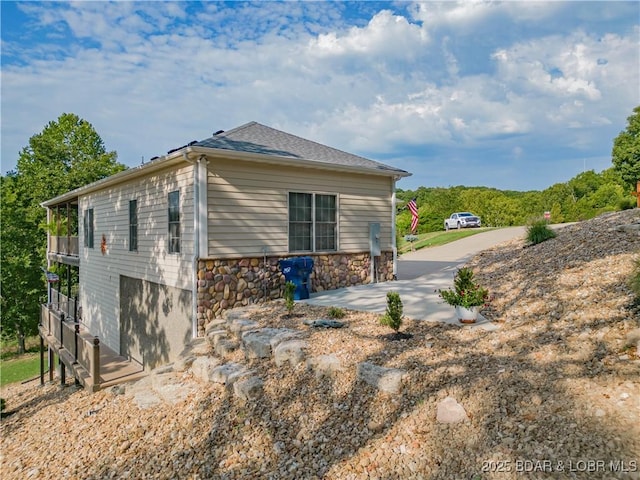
{"points": [[466, 292], [627, 203], [538, 232], [336, 312], [289, 289], [393, 316]]}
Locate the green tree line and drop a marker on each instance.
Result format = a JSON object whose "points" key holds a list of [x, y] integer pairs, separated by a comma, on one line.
{"points": [[585, 196]]}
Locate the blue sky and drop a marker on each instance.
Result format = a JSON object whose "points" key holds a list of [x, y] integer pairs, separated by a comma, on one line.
{"points": [[511, 95]]}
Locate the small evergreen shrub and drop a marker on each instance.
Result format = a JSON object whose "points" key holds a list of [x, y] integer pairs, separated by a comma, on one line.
{"points": [[393, 316], [289, 303], [538, 232], [466, 291], [336, 312]]}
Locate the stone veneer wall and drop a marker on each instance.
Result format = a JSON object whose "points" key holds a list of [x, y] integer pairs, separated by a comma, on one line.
{"points": [[228, 283]]}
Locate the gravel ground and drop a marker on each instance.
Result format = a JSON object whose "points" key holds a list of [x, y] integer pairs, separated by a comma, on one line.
{"points": [[553, 393]]}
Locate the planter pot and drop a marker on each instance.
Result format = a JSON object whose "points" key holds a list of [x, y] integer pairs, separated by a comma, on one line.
{"points": [[467, 315]]}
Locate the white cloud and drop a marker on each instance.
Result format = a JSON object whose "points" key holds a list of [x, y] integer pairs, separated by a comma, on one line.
{"points": [[569, 78], [457, 13], [149, 79], [386, 34], [465, 14]]}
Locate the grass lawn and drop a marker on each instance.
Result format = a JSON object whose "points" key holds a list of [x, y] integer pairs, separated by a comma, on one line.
{"points": [[20, 368], [434, 239]]}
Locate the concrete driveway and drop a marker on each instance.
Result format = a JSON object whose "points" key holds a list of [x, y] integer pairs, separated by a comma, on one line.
{"points": [[420, 275], [427, 261]]}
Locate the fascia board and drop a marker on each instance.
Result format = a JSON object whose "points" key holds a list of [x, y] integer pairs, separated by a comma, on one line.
{"points": [[163, 162]]}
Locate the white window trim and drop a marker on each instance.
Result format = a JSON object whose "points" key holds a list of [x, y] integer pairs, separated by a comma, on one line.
{"points": [[313, 194]]}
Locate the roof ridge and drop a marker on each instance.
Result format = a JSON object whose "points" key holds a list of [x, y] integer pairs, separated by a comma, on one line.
{"points": [[255, 137], [321, 145], [236, 129]]}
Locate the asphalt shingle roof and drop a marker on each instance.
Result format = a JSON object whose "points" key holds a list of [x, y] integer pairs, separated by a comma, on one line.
{"points": [[254, 137]]}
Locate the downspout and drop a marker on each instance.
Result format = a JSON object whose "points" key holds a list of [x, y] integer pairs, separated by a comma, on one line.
{"points": [[393, 227], [196, 244], [200, 234]]}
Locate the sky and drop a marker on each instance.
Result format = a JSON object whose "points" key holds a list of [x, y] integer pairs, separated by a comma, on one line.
{"points": [[510, 95]]}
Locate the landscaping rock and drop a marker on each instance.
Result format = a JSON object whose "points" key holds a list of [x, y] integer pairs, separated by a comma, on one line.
{"points": [[323, 323], [283, 335], [239, 326], [388, 380], [228, 373], [182, 364], [215, 324], [248, 388], [290, 351], [214, 336], [257, 343], [325, 365], [225, 346], [450, 411], [203, 368]]}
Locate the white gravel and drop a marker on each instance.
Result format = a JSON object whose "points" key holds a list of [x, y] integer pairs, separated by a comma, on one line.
{"points": [[553, 393]]}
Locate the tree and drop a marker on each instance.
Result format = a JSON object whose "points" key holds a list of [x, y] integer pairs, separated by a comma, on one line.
{"points": [[66, 155], [626, 150], [585, 183], [20, 277]]}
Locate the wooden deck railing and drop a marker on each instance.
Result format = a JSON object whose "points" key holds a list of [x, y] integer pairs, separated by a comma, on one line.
{"points": [[77, 349], [93, 364], [67, 305], [64, 245]]}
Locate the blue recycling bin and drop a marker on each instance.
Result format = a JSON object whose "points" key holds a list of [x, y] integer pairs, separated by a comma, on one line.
{"points": [[298, 270]]}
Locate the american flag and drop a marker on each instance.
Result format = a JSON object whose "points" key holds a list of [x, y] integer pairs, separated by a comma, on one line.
{"points": [[413, 207], [51, 277]]}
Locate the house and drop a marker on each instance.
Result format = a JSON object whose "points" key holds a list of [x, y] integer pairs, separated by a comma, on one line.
{"points": [[161, 249]]}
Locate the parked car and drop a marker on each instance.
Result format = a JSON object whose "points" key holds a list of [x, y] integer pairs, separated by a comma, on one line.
{"points": [[462, 220]]}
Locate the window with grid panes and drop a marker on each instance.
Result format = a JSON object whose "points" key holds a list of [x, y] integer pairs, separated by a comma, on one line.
{"points": [[312, 222]]}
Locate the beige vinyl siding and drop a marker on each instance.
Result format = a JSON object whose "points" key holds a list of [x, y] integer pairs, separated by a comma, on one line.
{"points": [[100, 274], [248, 207]]}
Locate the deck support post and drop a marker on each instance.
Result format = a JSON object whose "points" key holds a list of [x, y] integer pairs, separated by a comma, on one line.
{"points": [[61, 330], [95, 361], [41, 360], [51, 362], [75, 339], [63, 372]]}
